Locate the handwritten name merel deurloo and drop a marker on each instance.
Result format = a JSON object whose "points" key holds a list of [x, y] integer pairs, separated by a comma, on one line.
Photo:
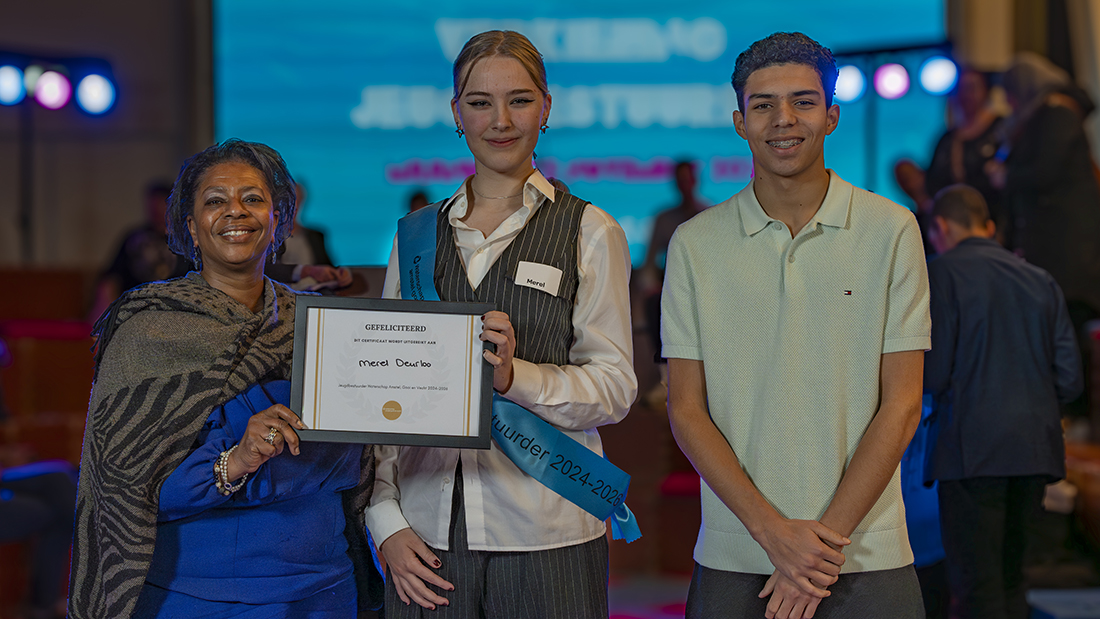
{"points": [[401, 363]]}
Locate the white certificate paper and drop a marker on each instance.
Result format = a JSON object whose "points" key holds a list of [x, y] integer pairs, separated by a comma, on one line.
{"points": [[371, 374]]}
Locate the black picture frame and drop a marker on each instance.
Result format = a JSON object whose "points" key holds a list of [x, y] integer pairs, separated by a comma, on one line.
{"points": [[302, 337]]}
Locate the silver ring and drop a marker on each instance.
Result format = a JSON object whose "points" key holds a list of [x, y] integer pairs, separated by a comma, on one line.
{"points": [[270, 438]]}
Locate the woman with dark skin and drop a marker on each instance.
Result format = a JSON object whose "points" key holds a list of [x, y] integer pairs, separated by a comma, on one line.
{"points": [[196, 497]]}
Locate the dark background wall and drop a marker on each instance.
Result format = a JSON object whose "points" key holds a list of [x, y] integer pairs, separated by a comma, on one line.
{"points": [[89, 173]]}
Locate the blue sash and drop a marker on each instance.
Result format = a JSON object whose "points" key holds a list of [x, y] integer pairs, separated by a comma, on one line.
{"points": [[558, 462], [416, 257]]}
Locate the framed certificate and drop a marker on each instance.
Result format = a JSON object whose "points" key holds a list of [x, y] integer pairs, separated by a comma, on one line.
{"points": [[391, 372]]}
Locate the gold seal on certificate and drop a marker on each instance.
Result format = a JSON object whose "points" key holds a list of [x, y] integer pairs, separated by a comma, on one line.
{"points": [[391, 372]]}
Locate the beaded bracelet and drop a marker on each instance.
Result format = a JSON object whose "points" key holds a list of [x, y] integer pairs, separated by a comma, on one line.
{"points": [[221, 474]]}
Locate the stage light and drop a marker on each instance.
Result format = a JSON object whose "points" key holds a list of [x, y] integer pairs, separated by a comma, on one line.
{"points": [[850, 84], [30, 77], [891, 81], [95, 94], [52, 90], [938, 75], [11, 85]]}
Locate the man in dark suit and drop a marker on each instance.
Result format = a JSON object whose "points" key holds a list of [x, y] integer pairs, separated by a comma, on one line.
{"points": [[303, 261], [1003, 358]]}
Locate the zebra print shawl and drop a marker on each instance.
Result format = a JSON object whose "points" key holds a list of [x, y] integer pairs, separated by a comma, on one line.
{"points": [[167, 354]]}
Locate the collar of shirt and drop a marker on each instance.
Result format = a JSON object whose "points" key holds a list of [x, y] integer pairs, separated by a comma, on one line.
{"points": [[478, 251], [978, 241], [534, 190], [833, 211]]}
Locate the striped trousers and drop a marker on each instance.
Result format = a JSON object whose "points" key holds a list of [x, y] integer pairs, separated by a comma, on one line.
{"points": [[560, 583]]}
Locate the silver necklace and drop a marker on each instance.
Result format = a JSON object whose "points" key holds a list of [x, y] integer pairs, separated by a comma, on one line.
{"points": [[481, 195]]}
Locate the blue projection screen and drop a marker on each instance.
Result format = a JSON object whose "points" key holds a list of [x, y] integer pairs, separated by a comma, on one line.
{"points": [[356, 96]]}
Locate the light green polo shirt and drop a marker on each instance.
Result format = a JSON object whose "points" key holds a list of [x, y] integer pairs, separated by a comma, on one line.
{"points": [[791, 333]]}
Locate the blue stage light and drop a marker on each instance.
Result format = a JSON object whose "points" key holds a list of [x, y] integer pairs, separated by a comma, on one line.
{"points": [[11, 85], [95, 94], [850, 84], [938, 75]]}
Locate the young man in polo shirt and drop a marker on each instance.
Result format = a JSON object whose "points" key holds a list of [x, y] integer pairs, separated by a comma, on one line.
{"points": [[795, 322]]}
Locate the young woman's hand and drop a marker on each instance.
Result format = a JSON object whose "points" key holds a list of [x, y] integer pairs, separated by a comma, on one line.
{"points": [[410, 563], [497, 328]]}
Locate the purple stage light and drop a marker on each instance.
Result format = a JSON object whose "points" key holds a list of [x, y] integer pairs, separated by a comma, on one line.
{"points": [[891, 81], [52, 90]]}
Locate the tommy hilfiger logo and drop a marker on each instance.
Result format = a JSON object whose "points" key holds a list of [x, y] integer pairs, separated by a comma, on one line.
{"points": [[847, 293]]}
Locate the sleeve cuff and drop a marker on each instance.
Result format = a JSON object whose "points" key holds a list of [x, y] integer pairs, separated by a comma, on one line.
{"points": [[681, 352], [385, 519], [526, 383], [907, 343]]}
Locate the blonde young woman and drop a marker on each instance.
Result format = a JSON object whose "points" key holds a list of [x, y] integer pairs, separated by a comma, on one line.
{"points": [[466, 533]]}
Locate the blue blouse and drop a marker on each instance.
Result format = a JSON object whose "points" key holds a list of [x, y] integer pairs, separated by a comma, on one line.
{"points": [[278, 539]]}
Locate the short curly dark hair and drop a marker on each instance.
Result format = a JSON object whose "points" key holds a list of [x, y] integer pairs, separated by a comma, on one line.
{"points": [[785, 48], [181, 204]]}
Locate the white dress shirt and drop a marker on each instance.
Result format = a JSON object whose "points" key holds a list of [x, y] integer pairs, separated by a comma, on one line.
{"points": [[507, 510]]}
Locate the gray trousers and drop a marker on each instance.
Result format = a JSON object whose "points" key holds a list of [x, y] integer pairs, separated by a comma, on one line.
{"points": [[561, 583], [888, 594]]}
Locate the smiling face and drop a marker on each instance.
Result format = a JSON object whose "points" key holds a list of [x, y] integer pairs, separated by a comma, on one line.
{"points": [[233, 219], [786, 120], [501, 109]]}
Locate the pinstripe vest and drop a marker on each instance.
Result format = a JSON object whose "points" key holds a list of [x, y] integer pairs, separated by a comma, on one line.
{"points": [[543, 323]]}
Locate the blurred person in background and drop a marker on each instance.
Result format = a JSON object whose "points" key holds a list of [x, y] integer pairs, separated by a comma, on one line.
{"points": [[653, 269], [922, 520], [686, 178], [196, 498], [143, 255], [961, 154], [418, 200], [973, 140], [911, 179], [1003, 357], [1051, 191], [36, 505], [303, 262]]}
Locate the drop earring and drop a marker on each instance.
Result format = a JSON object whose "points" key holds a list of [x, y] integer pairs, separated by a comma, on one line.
{"points": [[459, 131], [544, 127]]}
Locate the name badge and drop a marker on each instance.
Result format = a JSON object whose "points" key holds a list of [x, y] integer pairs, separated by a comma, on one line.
{"points": [[539, 276]]}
